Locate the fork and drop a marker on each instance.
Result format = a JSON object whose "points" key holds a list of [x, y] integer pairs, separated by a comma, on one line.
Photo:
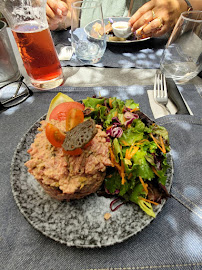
{"points": [[160, 90]]}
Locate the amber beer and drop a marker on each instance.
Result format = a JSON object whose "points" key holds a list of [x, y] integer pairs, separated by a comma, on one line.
{"points": [[39, 56]]}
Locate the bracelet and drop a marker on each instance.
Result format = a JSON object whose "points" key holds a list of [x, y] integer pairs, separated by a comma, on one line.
{"points": [[189, 6]]}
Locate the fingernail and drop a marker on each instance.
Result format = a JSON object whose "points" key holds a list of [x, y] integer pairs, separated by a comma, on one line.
{"points": [[59, 12]]}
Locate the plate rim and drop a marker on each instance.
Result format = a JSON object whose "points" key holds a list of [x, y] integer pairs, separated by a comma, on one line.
{"points": [[12, 178]]}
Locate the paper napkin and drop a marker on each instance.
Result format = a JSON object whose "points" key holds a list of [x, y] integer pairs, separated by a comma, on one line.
{"points": [[158, 110], [64, 52]]}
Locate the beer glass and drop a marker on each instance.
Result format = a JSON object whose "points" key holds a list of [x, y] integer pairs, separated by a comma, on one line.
{"points": [[182, 57], [27, 20]]}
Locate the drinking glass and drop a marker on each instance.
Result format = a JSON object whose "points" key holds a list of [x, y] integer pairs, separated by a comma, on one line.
{"points": [[8, 66], [87, 31], [182, 56], [27, 20]]}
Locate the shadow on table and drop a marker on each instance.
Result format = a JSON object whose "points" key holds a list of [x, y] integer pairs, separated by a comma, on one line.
{"points": [[64, 37], [143, 54], [61, 37], [153, 43]]}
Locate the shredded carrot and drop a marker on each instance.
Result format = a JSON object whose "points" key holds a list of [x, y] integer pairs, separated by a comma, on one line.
{"points": [[98, 105], [110, 102], [112, 156], [155, 171], [124, 142], [135, 149], [156, 142], [121, 171], [123, 180], [131, 151], [127, 153], [143, 184], [115, 113], [146, 200], [120, 168], [141, 141], [129, 126], [162, 144], [108, 127], [134, 110]]}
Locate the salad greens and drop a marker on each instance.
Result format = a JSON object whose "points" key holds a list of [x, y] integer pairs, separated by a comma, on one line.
{"points": [[138, 151]]}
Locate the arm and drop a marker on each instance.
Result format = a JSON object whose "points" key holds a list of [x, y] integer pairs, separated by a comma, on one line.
{"points": [[161, 16]]}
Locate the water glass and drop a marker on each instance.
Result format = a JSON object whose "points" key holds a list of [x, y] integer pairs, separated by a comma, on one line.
{"points": [[87, 31], [182, 57], [27, 20], [8, 66]]}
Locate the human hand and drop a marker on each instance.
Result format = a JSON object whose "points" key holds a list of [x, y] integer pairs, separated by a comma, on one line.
{"points": [[56, 13], [155, 18]]}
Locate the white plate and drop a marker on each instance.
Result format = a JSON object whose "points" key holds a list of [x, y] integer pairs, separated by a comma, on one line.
{"points": [[78, 223], [88, 28]]}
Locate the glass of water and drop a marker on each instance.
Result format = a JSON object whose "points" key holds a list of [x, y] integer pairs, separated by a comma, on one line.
{"points": [[88, 31], [182, 56]]}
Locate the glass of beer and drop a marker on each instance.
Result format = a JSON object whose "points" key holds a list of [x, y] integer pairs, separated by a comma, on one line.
{"points": [[27, 20]]}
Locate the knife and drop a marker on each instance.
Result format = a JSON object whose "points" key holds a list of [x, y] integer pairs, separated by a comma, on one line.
{"points": [[175, 97]]}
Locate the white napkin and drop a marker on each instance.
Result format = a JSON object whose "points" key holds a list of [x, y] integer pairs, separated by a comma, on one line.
{"points": [[64, 52], [158, 110]]}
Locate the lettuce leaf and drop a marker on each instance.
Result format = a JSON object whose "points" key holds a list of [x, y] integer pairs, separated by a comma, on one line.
{"points": [[92, 102]]}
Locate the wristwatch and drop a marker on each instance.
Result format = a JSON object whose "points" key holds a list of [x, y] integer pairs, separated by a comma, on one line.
{"points": [[189, 6]]}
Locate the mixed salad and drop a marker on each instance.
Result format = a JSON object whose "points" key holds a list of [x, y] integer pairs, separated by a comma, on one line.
{"points": [[138, 151]]}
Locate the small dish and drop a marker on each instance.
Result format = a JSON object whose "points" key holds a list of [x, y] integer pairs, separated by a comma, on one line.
{"points": [[121, 29]]}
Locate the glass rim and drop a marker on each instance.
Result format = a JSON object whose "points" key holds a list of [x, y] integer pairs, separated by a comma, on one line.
{"points": [[191, 12], [74, 4]]}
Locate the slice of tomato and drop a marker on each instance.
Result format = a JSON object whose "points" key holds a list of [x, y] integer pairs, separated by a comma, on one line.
{"points": [[88, 144], [75, 152], [74, 117], [58, 99], [59, 112], [54, 135]]}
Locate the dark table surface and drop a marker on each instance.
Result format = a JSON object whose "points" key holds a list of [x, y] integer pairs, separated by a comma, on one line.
{"points": [[140, 54], [172, 241]]}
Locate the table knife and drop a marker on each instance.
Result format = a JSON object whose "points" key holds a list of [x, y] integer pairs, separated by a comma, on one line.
{"points": [[175, 97]]}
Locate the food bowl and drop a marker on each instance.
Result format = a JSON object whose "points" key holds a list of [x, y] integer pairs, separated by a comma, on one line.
{"points": [[121, 29]]}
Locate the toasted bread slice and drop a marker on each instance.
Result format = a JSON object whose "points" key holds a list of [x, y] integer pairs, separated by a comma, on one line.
{"points": [[80, 135]]}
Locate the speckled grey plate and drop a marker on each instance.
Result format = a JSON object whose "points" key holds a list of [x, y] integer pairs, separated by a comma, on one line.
{"points": [[78, 223]]}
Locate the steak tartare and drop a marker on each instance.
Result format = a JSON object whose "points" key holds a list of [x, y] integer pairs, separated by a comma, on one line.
{"points": [[66, 177]]}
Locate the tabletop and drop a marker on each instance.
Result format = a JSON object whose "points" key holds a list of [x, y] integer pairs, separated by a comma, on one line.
{"points": [[173, 240]]}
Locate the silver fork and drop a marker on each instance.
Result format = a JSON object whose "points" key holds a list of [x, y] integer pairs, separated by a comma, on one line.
{"points": [[160, 90]]}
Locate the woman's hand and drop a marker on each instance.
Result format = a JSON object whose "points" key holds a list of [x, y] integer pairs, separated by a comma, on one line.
{"points": [[155, 18], [56, 13]]}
